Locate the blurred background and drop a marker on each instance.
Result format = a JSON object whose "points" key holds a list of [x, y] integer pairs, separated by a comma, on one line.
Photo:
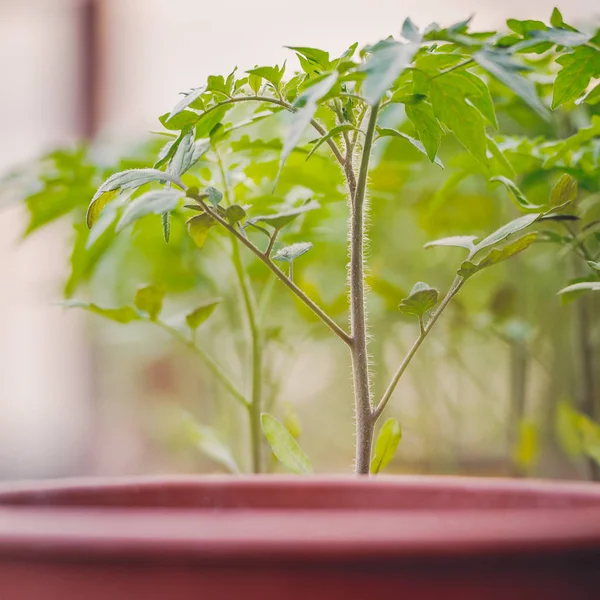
{"points": [[82, 396]]}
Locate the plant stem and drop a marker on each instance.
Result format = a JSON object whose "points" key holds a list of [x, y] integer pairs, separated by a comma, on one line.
{"points": [[358, 318], [316, 125], [454, 289], [212, 366], [255, 338], [318, 311]]}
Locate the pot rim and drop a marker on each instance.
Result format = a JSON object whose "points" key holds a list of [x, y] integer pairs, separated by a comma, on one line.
{"points": [[31, 527]]}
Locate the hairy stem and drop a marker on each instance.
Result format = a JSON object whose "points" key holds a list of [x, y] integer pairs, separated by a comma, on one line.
{"points": [[212, 366], [454, 289], [358, 318]]}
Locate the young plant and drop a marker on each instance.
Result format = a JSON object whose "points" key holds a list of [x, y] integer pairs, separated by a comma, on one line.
{"points": [[439, 79]]}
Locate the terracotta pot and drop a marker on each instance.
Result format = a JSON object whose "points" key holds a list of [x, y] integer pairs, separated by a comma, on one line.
{"points": [[280, 538]]}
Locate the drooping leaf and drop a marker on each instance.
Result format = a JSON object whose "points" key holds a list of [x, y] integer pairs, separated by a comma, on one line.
{"points": [[200, 314], [578, 68], [187, 154], [149, 299], [576, 289], [284, 446], [133, 178], [427, 126], [291, 253], [387, 442], [155, 202], [507, 230], [503, 68], [208, 441], [125, 314], [516, 195], [198, 228], [387, 132], [497, 255], [422, 299], [459, 241], [474, 90], [306, 106], [388, 60]]}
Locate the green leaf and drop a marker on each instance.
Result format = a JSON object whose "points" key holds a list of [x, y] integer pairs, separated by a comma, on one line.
{"points": [[516, 194], [255, 83], [502, 67], [97, 205], [198, 228], [564, 191], [181, 121], [284, 446], [281, 219], [306, 106], [578, 68], [272, 74], [234, 213], [465, 121], [188, 99], [574, 143], [556, 19], [592, 97], [149, 299], [201, 314], [291, 253], [187, 154], [155, 202], [594, 265], [214, 195], [505, 231], [313, 56], [497, 255], [330, 134], [474, 90], [166, 225], [387, 62], [427, 126], [576, 289], [561, 37], [387, 442], [208, 441], [422, 299], [126, 314], [133, 178], [458, 241], [387, 132], [410, 31]]}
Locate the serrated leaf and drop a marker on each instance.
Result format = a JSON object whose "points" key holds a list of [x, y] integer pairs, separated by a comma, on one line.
{"points": [[284, 446], [281, 219], [306, 106], [187, 154], [149, 299], [387, 132], [578, 68], [516, 195], [502, 67], [234, 213], [465, 121], [201, 314], [133, 178], [214, 196], [422, 299], [427, 126], [497, 255], [330, 134], [291, 253], [198, 228], [155, 202], [125, 314], [507, 230], [386, 445], [458, 241], [188, 99], [387, 62]]}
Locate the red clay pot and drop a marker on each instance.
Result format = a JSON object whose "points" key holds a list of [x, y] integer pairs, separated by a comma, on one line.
{"points": [[205, 538]]}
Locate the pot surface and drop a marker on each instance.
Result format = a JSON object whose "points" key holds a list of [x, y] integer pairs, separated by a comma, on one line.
{"points": [[290, 538]]}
